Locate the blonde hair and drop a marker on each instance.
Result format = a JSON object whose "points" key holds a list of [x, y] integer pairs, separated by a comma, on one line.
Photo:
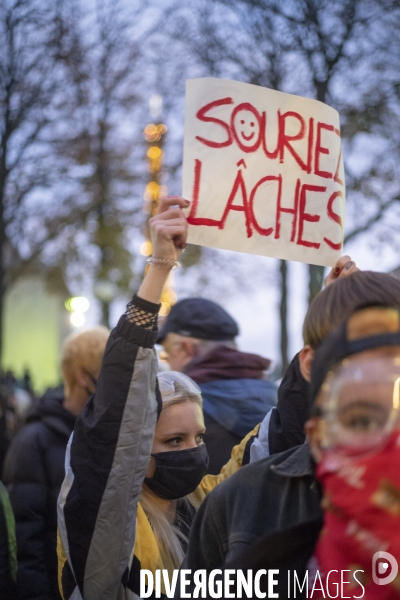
{"points": [[82, 351], [175, 388]]}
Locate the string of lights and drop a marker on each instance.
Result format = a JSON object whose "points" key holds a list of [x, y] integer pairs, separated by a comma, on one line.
{"points": [[154, 135]]}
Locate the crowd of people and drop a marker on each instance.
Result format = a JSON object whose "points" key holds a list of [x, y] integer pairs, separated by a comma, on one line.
{"points": [[209, 466], [16, 399]]}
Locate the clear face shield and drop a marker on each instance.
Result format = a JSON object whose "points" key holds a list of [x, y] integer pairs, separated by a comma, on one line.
{"points": [[170, 382], [359, 405]]}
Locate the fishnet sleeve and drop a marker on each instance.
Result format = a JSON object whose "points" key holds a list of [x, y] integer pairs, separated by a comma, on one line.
{"points": [[142, 313]]}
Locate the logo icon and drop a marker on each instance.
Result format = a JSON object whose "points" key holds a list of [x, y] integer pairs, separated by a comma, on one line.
{"points": [[384, 568]]}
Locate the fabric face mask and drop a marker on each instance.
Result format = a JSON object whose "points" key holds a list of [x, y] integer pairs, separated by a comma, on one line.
{"points": [[362, 517], [178, 473]]}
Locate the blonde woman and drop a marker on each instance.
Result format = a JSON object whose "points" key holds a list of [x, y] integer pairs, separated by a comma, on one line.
{"points": [[133, 482]]}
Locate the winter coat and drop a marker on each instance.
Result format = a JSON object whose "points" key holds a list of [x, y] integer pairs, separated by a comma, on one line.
{"points": [[263, 498], [33, 473], [8, 548], [105, 537], [236, 397], [289, 552]]}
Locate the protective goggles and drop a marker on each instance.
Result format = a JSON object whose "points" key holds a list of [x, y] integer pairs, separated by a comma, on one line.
{"points": [[359, 404]]}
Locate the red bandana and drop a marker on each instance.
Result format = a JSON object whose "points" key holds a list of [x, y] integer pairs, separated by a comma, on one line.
{"points": [[362, 517]]}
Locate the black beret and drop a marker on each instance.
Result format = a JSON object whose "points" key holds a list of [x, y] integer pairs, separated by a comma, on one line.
{"points": [[199, 318]]}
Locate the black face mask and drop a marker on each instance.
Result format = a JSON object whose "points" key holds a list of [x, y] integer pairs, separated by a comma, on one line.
{"points": [[178, 473]]}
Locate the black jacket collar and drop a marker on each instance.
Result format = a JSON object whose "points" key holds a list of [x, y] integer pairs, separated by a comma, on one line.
{"points": [[298, 464]]}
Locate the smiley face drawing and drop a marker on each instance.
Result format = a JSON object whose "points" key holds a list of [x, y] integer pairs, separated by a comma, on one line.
{"points": [[246, 126]]}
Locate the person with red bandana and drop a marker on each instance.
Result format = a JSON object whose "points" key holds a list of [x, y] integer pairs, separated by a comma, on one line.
{"points": [[352, 548]]}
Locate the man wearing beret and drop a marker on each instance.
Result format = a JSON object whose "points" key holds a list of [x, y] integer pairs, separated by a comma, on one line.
{"points": [[198, 337]]}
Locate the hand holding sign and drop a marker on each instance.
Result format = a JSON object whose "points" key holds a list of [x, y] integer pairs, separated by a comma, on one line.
{"points": [[264, 170], [343, 268]]}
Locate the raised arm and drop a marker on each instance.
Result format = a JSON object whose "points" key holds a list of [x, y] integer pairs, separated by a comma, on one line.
{"points": [[109, 451]]}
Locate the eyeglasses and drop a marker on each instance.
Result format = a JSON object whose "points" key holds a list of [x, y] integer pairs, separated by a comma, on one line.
{"points": [[360, 404]]}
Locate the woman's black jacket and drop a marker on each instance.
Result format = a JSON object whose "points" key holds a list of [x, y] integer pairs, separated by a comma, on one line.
{"points": [[33, 474]]}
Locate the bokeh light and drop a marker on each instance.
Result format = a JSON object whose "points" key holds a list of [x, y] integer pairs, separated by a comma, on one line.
{"points": [[146, 248], [77, 319], [78, 304], [154, 152], [153, 133]]}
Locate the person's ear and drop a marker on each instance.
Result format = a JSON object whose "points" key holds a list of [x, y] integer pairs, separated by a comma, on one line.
{"points": [[189, 348], [305, 360], [85, 381], [312, 430]]}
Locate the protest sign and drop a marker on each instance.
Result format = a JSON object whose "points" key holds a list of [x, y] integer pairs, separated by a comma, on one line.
{"points": [[264, 172]]}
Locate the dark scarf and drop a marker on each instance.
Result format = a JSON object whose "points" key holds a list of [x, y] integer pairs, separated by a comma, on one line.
{"points": [[223, 362]]}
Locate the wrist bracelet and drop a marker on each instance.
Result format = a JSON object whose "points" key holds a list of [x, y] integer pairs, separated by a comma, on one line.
{"points": [[168, 262]]}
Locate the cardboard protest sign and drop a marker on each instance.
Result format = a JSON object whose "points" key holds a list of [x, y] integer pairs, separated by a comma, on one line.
{"points": [[264, 171]]}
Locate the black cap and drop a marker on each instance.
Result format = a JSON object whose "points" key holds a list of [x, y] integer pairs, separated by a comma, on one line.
{"points": [[340, 344], [199, 318]]}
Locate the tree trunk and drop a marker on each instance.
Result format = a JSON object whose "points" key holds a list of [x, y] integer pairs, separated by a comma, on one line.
{"points": [[1, 312], [2, 240], [105, 313], [283, 316], [315, 283], [316, 273]]}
